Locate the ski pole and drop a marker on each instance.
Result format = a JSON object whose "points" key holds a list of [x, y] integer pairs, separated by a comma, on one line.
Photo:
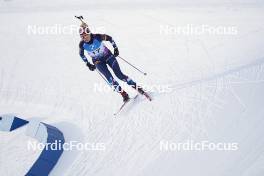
{"points": [[104, 79], [144, 73], [80, 18], [102, 76]]}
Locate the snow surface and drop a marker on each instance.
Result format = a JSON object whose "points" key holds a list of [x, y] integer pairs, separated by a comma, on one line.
{"points": [[216, 83]]}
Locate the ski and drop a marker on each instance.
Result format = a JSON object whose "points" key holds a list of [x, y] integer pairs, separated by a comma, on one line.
{"points": [[147, 96], [144, 93], [123, 105]]}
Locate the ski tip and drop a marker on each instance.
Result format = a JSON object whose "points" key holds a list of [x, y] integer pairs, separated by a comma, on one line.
{"points": [[148, 96]]}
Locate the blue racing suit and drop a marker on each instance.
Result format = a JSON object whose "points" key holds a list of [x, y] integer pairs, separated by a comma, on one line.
{"points": [[101, 57]]}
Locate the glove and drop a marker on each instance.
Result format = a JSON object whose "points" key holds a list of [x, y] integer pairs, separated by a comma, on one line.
{"points": [[116, 52], [90, 66]]}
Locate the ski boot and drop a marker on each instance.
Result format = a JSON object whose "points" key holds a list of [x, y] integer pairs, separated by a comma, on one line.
{"points": [[125, 96], [139, 89], [142, 92]]}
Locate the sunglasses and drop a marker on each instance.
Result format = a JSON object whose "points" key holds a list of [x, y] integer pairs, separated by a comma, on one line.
{"points": [[84, 31]]}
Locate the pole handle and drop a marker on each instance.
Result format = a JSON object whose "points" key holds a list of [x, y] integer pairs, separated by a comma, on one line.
{"points": [[80, 18]]}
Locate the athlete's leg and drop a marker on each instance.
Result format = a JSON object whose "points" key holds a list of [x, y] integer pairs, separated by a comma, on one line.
{"points": [[112, 62], [102, 67]]}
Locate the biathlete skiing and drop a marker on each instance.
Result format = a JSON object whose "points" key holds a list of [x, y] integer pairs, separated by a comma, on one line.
{"points": [[102, 58]]}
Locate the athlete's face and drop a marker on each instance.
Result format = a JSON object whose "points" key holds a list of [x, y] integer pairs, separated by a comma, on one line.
{"points": [[86, 37]]}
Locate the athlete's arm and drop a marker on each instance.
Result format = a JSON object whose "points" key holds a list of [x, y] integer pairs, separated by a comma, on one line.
{"points": [[106, 37], [81, 52]]}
